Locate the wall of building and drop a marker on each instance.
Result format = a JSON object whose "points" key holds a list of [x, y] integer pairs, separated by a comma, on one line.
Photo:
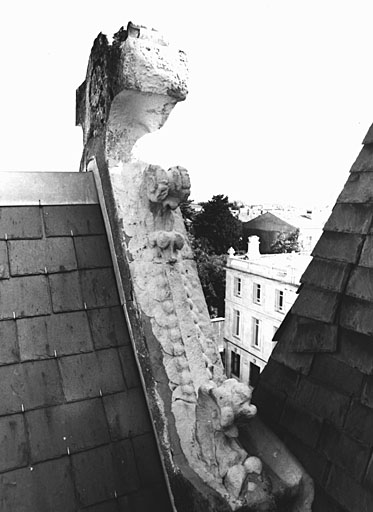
{"points": [[217, 325], [244, 303]]}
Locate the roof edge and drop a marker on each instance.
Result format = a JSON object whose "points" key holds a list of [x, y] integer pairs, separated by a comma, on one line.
{"points": [[47, 188]]}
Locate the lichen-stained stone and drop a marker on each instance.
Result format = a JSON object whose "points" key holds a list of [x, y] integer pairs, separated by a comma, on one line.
{"points": [[131, 87], [350, 218]]}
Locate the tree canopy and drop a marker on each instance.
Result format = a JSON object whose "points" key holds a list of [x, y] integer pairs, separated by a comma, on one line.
{"points": [[211, 272], [216, 227], [286, 243], [212, 232]]}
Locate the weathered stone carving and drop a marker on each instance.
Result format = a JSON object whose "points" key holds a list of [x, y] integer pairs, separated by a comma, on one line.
{"points": [[167, 187], [130, 89]]}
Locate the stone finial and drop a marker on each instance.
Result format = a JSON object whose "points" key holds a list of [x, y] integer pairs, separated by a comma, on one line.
{"points": [[231, 252], [130, 89]]}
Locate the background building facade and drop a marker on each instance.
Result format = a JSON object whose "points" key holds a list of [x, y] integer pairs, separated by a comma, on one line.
{"points": [[260, 290]]}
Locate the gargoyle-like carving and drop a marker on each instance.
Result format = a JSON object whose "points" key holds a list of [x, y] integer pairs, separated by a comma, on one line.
{"points": [[165, 191], [168, 188], [220, 408], [137, 81], [168, 243]]}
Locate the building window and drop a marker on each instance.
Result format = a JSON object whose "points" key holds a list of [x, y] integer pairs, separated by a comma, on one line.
{"points": [[279, 301], [254, 375], [256, 332], [257, 293], [222, 355], [236, 322], [235, 364], [237, 286]]}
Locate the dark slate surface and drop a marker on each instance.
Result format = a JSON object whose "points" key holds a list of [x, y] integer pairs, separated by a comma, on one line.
{"points": [[317, 390], [339, 247], [75, 433]]}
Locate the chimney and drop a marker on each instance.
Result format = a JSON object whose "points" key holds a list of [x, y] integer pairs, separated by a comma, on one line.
{"points": [[253, 248]]}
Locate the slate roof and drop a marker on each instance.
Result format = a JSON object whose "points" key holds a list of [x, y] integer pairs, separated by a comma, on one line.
{"points": [[269, 222], [75, 433], [317, 389]]}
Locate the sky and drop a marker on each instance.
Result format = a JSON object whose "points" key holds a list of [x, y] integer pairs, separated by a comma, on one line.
{"points": [[280, 94]]}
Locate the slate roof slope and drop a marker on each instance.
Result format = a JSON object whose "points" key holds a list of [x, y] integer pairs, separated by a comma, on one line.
{"points": [[317, 389], [269, 222], [75, 433]]}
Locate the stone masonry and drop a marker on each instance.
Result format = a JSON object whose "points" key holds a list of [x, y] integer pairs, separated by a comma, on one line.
{"points": [[130, 89]]}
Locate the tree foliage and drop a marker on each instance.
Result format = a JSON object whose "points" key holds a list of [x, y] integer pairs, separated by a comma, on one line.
{"points": [[189, 215], [211, 272], [212, 232], [286, 243], [216, 227]]}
